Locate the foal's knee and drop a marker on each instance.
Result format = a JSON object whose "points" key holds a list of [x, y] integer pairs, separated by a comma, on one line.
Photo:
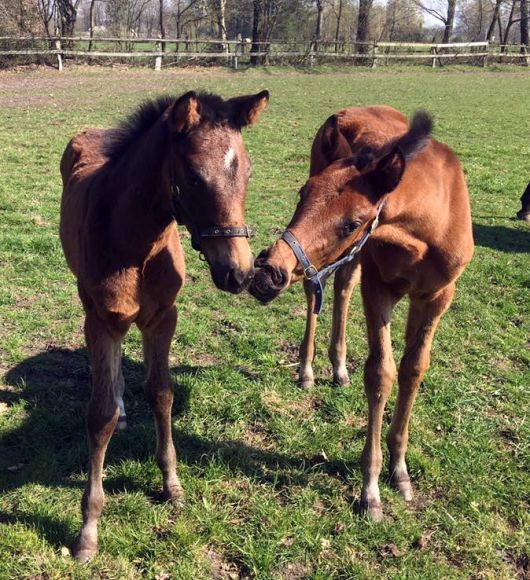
{"points": [[379, 375]]}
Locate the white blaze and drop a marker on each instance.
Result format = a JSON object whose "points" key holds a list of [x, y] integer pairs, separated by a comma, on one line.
{"points": [[229, 157]]}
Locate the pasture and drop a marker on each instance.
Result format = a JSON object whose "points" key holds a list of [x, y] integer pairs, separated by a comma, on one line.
{"points": [[271, 471]]}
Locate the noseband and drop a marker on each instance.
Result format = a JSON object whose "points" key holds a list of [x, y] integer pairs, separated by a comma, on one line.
{"points": [[198, 234], [318, 278]]}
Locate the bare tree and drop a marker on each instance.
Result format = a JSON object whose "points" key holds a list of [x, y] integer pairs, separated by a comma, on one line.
{"points": [[444, 11], [47, 10], [67, 16], [524, 24]]}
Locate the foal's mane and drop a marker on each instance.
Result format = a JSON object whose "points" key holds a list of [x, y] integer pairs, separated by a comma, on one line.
{"points": [[213, 109]]}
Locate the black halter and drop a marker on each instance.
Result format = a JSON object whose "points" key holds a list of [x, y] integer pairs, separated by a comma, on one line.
{"points": [[197, 234], [318, 277]]}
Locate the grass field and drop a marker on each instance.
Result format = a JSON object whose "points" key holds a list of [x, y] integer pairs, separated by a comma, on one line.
{"points": [[271, 472]]}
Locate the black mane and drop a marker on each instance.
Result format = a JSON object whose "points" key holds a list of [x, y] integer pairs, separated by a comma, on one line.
{"points": [[213, 109]]}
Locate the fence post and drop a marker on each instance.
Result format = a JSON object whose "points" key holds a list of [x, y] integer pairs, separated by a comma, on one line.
{"points": [[434, 51], [311, 54], [238, 50], [59, 55], [158, 59], [374, 53], [485, 59]]}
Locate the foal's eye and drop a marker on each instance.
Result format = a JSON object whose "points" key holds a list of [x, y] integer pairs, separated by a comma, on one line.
{"points": [[193, 179], [350, 227]]}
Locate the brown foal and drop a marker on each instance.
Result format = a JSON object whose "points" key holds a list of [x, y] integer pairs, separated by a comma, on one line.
{"points": [[348, 132], [416, 187], [122, 190]]}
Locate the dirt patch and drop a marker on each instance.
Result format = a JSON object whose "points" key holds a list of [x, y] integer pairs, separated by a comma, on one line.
{"points": [[295, 571], [222, 569], [520, 564]]}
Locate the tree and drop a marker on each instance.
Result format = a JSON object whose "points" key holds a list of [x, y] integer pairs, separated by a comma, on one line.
{"points": [[46, 9], [442, 10], [363, 25], [67, 16], [524, 24]]}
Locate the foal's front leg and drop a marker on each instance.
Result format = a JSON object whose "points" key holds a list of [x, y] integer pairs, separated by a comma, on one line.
{"points": [[159, 393], [104, 349], [307, 348], [346, 278], [379, 374]]}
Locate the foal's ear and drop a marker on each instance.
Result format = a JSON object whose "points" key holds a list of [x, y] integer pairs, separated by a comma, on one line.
{"points": [[185, 113], [330, 136], [246, 110], [387, 174]]}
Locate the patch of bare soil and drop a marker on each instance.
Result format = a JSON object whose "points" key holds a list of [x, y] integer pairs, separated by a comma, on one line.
{"points": [[221, 569]]}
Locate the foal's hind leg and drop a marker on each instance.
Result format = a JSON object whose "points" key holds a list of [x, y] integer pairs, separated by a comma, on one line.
{"points": [[423, 319], [104, 349], [307, 348], [346, 278], [159, 393]]}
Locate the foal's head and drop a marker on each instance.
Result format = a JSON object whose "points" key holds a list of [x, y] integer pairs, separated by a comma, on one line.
{"points": [[209, 170], [336, 207]]}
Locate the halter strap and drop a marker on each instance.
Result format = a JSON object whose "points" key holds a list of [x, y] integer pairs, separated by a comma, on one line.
{"points": [[318, 277], [197, 234]]}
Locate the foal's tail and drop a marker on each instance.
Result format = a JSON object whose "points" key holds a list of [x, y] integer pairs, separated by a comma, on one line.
{"points": [[418, 135]]}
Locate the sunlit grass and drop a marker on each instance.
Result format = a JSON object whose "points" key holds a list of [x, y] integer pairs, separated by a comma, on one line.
{"points": [[263, 498]]}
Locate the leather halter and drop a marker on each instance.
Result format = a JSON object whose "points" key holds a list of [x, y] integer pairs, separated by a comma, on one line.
{"points": [[318, 277], [197, 234]]}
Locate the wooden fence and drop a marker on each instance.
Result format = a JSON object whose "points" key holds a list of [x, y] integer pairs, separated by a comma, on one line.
{"points": [[159, 52]]}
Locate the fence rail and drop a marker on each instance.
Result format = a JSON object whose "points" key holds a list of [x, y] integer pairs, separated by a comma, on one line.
{"points": [[174, 51]]}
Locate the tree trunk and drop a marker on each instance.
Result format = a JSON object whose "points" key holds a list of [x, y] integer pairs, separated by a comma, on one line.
{"points": [[91, 18], [508, 26], [161, 23], [337, 28], [363, 26], [491, 28], [67, 15], [318, 27], [524, 24], [257, 16], [221, 24], [448, 30]]}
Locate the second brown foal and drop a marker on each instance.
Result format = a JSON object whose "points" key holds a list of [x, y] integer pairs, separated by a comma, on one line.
{"points": [[350, 131], [414, 188]]}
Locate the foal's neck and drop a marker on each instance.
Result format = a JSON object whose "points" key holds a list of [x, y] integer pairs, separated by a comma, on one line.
{"points": [[143, 207]]}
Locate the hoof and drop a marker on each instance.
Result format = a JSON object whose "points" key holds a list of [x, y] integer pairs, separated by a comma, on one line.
{"points": [[122, 423], [306, 383], [175, 495], [341, 380], [404, 487], [524, 215], [82, 552], [372, 510]]}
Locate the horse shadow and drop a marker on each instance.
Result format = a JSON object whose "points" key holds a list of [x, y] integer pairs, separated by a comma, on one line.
{"points": [[48, 446], [509, 240]]}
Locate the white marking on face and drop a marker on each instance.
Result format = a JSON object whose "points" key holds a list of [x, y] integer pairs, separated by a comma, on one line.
{"points": [[229, 157]]}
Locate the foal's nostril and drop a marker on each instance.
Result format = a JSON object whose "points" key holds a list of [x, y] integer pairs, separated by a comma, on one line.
{"points": [[279, 277], [237, 280]]}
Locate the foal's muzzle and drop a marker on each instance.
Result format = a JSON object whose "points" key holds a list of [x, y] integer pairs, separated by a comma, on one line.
{"points": [[268, 281], [231, 279]]}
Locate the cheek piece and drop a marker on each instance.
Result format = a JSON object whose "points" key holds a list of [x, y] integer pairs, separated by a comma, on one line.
{"points": [[199, 233], [318, 278]]}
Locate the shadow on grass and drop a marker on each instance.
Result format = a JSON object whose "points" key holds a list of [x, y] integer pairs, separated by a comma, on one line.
{"points": [[502, 238], [46, 442]]}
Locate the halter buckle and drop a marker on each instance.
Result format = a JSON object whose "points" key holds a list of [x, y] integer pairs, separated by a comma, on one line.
{"points": [[310, 272]]}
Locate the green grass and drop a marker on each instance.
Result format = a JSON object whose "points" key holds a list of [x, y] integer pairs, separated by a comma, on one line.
{"points": [[271, 472]]}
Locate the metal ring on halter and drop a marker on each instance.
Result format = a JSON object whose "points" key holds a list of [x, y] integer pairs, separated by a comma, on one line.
{"points": [[318, 277]]}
